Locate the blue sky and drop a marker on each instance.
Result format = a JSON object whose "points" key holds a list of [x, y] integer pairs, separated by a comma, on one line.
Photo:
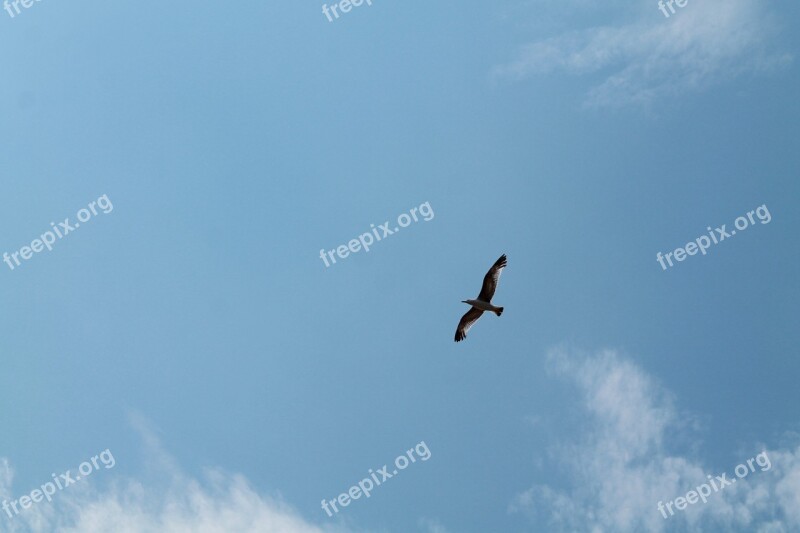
{"points": [[194, 332]]}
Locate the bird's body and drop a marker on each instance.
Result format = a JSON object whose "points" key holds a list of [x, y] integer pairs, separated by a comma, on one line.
{"points": [[484, 300], [484, 306]]}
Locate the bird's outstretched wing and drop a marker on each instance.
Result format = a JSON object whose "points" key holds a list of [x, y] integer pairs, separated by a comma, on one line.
{"points": [[469, 318], [490, 280]]}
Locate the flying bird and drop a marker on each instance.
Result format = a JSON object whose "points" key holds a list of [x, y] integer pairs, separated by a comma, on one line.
{"points": [[484, 301]]}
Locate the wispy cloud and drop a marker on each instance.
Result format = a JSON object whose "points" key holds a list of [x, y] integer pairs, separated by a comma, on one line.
{"points": [[169, 501], [650, 57], [625, 463], [432, 526]]}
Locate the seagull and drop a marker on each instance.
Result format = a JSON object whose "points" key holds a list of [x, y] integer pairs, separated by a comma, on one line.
{"points": [[484, 301]]}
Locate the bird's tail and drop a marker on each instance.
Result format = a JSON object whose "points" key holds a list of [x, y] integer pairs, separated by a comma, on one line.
{"points": [[499, 311]]}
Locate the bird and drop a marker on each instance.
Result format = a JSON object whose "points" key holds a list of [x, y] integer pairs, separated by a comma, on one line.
{"points": [[484, 300]]}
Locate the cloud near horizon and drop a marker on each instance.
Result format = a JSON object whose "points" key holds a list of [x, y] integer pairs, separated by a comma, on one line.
{"points": [[624, 461], [653, 57], [624, 464], [168, 502]]}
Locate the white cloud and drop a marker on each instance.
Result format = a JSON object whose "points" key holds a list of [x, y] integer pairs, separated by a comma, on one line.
{"points": [[171, 502], [652, 57], [432, 526], [623, 466]]}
